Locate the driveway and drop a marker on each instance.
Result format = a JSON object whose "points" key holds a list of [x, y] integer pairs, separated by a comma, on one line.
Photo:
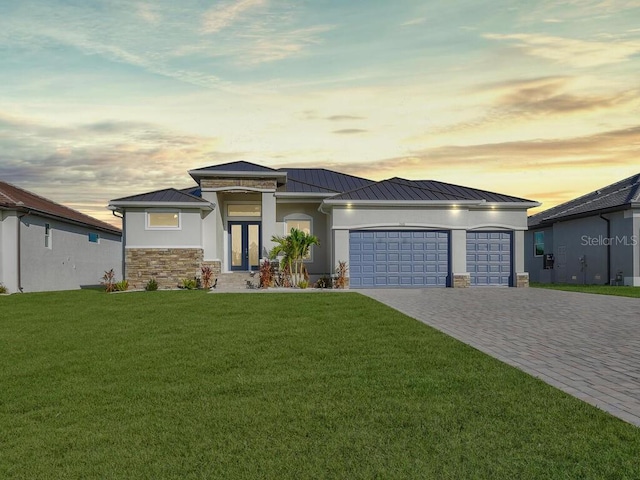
{"points": [[586, 345]]}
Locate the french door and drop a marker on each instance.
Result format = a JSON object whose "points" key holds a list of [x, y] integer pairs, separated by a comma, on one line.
{"points": [[244, 239]]}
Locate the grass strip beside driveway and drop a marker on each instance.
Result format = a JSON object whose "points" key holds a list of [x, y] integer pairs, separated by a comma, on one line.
{"points": [[621, 291], [190, 385]]}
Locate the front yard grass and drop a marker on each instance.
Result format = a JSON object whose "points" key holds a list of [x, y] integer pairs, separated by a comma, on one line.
{"points": [[597, 289], [184, 385]]}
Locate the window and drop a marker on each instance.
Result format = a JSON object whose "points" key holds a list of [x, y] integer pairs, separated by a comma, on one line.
{"points": [[47, 235], [538, 243], [244, 210], [301, 222], [303, 225], [163, 220], [94, 237]]}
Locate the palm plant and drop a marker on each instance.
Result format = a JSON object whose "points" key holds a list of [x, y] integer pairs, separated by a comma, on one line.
{"points": [[294, 248]]}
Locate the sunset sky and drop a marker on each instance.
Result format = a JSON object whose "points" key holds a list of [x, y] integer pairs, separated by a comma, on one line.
{"points": [[103, 99]]}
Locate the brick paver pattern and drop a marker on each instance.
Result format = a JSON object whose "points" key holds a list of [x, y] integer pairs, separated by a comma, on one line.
{"points": [[586, 345]]}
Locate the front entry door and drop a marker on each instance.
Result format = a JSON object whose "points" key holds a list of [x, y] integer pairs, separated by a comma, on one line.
{"points": [[244, 238]]}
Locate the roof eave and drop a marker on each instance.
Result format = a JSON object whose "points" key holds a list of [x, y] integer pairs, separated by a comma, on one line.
{"points": [[196, 174], [399, 203], [315, 195], [141, 204], [547, 222], [527, 204], [42, 213]]}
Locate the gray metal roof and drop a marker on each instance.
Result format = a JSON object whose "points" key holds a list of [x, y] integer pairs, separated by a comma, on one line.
{"points": [[240, 166], [321, 180], [168, 195], [400, 189], [618, 195]]}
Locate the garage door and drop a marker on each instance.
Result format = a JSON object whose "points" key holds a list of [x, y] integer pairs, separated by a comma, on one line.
{"points": [[489, 258], [395, 259]]}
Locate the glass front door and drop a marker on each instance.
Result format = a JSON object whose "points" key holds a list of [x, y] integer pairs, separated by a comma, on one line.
{"points": [[244, 239]]}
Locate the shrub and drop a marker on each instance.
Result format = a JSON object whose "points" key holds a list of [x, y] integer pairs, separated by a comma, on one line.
{"points": [[122, 285], [303, 284], [207, 277], [3, 289], [323, 282], [341, 275], [267, 274], [189, 284], [151, 285], [108, 280]]}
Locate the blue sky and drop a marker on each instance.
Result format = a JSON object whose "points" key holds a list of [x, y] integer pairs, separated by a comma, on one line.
{"points": [[105, 99]]}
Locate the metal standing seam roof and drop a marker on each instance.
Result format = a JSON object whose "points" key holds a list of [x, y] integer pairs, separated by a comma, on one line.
{"points": [[167, 195], [12, 197], [617, 195], [400, 189], [240, 166], [321, 180]]}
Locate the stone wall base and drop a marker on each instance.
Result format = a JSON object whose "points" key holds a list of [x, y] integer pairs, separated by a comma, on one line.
{"points": [[522, 280], [215, 265], [168, 266], [461, 280]]}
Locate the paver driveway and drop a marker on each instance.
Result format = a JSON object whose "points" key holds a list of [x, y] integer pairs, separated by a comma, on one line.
{"points": [[586, 345]]}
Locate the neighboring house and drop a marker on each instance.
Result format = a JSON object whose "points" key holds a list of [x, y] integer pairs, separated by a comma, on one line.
{"points": [[593, 239], [47, 246], [393, 233]]}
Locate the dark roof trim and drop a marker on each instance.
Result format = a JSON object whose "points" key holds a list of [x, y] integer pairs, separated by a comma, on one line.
{"points": [[547, 222], [45, 214]]}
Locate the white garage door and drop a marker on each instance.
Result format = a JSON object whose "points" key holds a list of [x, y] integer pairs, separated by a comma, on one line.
{"points": [[489, 258], [396, 259]]}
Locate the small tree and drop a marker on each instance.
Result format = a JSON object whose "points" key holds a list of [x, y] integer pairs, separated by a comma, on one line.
{"points": [[294, 248]]}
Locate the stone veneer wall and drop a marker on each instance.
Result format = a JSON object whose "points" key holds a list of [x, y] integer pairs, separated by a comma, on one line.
{"points": [[167, 265], [522, 280], [215, 265], [461, 281], [264, 183]]}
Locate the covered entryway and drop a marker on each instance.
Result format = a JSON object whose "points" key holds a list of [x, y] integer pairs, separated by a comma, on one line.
{"points": [[489, 260], [244, 238], [398, 258]]}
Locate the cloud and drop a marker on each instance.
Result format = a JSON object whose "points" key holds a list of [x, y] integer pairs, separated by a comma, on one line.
{"points": [[569, 51], [90, 164], [274, 45], [339, 118], [349, 131], [549, 96], [222, 16], [521, 100], [606, 149], [414, 21], [148, 13]]}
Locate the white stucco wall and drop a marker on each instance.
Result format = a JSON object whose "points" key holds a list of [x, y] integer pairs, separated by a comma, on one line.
{"points": [[320, 263], [72, 261], [8, 250], [188, 236]]}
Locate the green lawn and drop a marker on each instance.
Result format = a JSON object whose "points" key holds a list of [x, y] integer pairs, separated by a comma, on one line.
{"points": [[188, 385], [598, 289]]}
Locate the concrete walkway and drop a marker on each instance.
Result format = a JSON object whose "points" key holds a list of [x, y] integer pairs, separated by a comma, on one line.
{"points": [[586, 345]]}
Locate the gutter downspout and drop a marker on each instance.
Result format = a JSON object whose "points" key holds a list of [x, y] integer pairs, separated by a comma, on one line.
{"points": [[20, 217], [124, 236], [608, 248]]}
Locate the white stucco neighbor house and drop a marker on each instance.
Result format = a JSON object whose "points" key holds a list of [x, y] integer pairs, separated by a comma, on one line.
{"points": [[592, 239], [47, 246], [395, 233]]}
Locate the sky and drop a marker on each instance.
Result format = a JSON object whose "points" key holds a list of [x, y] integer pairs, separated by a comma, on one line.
{"points": [[105, 99]]}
